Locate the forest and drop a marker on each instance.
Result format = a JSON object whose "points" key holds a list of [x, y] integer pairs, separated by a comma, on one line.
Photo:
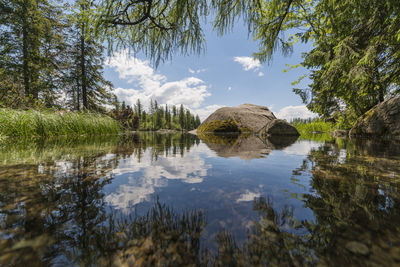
{"points": [[52, 51]]}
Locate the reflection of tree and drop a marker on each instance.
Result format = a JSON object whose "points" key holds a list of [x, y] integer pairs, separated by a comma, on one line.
{"points": [[355, 200], [158, 144], [55, 210], [52, 208], [272, 241], [162, 237], [356, 207], [52, 212]]}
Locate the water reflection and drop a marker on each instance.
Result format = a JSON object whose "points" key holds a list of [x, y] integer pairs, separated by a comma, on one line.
{"points": [[245, 146], [355, 198], [92, 202], [143, 178]]}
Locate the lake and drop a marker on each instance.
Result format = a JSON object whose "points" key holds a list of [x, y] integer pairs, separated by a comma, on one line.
{"points": [[175, 199]]}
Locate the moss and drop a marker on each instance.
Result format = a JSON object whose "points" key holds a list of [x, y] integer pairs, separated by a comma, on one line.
{"points": [[220, 126], [368, 115], [224, 139]]}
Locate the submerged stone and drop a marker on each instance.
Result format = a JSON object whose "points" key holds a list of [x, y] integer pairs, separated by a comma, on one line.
{"points": [[357, 248]]}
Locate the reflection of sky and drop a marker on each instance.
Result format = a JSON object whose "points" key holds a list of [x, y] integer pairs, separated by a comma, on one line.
{"points": [[223, 187], [142, 178], [302, 147]]}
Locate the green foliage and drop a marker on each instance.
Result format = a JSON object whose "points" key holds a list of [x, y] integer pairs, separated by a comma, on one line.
{"points": [[156, 28], [312, 126], [354, 63], [49, 56], [346, 120], [35, 123]]}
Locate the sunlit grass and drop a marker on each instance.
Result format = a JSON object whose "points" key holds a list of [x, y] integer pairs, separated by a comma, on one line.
{"points": [[15, 123], [307, 127]]}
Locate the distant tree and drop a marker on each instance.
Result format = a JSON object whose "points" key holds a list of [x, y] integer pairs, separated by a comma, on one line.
{"points": [[138, 108], [188, 120], [197, 121], [182, 117], [174, 111]]}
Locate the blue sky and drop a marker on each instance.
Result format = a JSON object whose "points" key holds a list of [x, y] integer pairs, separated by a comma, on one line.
{"points": [[224, 75]]}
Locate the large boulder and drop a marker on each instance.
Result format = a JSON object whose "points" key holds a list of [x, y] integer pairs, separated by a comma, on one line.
{"points": [[381, 120], [246, 118]]}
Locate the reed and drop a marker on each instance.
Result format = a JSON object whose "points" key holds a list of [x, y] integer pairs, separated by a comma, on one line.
{"points": [[28, 123], [307, 127]]}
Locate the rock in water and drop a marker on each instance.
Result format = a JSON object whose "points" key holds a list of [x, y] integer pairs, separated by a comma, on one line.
{"points": [[246, 118], [381, 120], [279, 127]]}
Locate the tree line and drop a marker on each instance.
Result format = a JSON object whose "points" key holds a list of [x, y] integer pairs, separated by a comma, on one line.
{"points": [[155, 118]]}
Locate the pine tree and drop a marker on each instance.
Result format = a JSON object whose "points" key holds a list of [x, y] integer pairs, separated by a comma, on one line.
{"points": [[197, 121], [182, 117], [25, 27], [92, 90]]}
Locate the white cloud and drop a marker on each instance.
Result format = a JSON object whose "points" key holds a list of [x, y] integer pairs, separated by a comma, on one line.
{"points": [[229, 88], [260, 74], [148, 84], [192, 71], [292, 112], [206, 111], [248, 63]]}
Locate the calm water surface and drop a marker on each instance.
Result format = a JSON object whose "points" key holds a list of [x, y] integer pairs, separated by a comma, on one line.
{"points": [[172, 199]]}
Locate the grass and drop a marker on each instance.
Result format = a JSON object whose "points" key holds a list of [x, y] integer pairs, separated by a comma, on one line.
{"points": [[15, 123], [307, 127]]}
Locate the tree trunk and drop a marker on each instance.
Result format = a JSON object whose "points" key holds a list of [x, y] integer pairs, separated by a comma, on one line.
{"points": [[83, 70], [25, 53]]}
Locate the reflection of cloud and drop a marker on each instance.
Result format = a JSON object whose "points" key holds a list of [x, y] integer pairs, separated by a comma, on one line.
{"points": [[248, 196], [342, 156], [154, 174], [301, 147], [129, 195], [192, 71], [293, 112]]}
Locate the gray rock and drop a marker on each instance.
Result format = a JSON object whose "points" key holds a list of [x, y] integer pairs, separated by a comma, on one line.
{"points": [[340, 133], [279, 127], [246, 118], [381, 120], [357, 248]]}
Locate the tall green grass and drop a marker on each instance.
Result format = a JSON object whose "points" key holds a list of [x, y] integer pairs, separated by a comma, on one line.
{"points": [[307, 127], [35, 123]]}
